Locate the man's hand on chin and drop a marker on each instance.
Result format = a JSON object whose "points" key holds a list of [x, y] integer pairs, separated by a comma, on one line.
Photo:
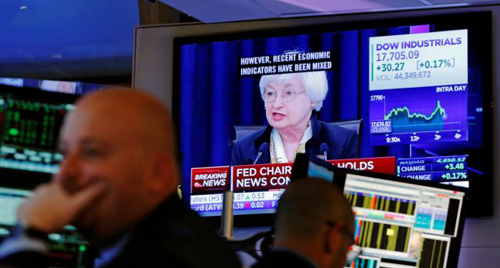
{"points": [[50, 208]]}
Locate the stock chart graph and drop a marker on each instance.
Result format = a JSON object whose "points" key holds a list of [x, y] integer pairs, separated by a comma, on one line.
{"points": [[402, 120], [418, 115]]}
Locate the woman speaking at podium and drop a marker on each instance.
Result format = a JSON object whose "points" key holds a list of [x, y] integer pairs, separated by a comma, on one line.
{"points": [[291, 102]]}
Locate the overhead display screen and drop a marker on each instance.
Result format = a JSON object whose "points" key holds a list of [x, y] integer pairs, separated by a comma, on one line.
{"points": [[409, 97]]}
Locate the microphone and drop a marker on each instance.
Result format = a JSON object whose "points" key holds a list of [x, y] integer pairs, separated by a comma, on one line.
{"points": [[263, 147], [323, 148]]}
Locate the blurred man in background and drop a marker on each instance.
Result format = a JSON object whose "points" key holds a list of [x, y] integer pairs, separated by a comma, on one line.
{"points": [[118, 184], [314, 227]]}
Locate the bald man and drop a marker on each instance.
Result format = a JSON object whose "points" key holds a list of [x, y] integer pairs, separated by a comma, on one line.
{"points": [[314, 227], [118, 184]]}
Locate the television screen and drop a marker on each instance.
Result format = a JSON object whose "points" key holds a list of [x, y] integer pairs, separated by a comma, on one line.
{"points": [[408, 96], [400, 224]]}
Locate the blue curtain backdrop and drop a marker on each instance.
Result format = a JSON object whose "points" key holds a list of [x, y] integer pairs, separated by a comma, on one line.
{"points": [[213, 97]]}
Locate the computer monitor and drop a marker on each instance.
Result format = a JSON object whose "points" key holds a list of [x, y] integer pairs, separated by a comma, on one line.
{"points": [[401, 223], [30, 123], [307, 166]]}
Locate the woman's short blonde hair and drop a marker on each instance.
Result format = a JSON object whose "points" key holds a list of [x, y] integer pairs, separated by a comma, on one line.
{"points": [[315, 84]]}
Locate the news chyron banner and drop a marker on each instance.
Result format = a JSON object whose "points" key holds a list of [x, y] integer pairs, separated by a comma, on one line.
{"points": [[261, 177], [277, 176], [272, 176], [258, 187]]}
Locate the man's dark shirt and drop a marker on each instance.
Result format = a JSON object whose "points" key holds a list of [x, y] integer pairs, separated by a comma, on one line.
{"points": [[283, 258]]}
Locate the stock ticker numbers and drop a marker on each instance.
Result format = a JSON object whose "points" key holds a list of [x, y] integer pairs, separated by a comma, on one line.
{"points": [[440, 168], [243, 201], [30, 131], [31, 123], [417, 59], [418, 88]]}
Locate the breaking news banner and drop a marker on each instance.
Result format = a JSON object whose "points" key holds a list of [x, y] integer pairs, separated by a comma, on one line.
{"points": [[210, 179], [259, 187], [291, 62], [260, 177]]}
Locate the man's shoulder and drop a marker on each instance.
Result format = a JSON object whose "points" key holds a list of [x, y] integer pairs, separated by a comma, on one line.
{"points": [[25, 259], [176, 221], [175, 235], [193, 242], [283, 258]]}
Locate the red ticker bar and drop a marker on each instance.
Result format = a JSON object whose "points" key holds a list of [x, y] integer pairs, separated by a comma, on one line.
{"points": [[272, 176], [386, 165]]}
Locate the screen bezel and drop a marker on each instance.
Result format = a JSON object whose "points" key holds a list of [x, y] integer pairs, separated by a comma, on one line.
{"points": [[482, 190]]}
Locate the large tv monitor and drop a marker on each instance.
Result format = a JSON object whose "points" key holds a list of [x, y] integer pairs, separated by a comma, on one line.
{"points": [[404, 224], [421, 87]]}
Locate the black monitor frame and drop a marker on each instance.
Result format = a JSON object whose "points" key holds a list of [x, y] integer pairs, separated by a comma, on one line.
{"points": [[482, 191]]}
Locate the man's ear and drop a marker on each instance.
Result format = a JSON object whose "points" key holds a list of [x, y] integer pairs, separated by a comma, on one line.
{"points": [[164, 174], [331, 239], [327, 240]]}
